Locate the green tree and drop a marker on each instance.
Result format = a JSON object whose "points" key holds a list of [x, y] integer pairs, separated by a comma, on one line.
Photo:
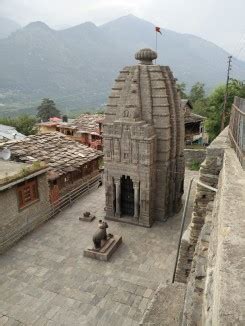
{"points": [[200, 107], [23, 124], [197, 92], [26, 125], [47, 110], [182, 89], [216, 103], [198, 98]]}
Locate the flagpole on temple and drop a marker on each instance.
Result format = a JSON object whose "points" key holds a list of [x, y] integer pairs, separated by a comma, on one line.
{"points": [[157, 30], [156, 45]]}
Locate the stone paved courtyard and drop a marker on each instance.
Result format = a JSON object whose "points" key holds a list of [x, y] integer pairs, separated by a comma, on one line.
{"points": [[45, 280]]}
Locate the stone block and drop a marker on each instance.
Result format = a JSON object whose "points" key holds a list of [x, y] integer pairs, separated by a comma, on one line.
{"points": [[106, 251]]}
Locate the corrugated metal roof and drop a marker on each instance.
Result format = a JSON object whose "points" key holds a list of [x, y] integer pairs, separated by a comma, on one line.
{"points": [[9, 133]]}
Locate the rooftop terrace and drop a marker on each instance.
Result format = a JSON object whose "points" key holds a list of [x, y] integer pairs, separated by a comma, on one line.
{"points": [[10, 169]]}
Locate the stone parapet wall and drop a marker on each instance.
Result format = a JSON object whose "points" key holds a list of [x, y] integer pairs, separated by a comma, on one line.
{"points": [[224, 290], [209, 174], [212, 251], [15, 223], [194, 155], [216, 284]]}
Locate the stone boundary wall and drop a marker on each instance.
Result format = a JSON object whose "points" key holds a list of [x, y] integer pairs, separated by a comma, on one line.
{"points": [[194, 155], [216, 285], [209, 174], [224, 291], [211, 265]]}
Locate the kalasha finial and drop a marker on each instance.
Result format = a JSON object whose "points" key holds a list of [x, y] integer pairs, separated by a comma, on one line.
{"points": [[146, 56]]}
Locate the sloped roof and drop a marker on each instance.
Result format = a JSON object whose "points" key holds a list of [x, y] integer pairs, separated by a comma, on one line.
{"points": [[194, 118], [57, 124], [186, 102], [8, 133], [89, 122], [60, 152]]}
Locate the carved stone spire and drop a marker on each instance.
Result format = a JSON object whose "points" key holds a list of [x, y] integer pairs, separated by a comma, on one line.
{"points": [[143, 143], [146, 56]]}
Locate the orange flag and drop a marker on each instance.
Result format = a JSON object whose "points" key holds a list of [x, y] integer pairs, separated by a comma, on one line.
{"points": [[158, 30]]}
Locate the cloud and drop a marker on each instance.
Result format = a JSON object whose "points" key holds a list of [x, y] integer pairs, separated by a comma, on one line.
{"points": [[66, 12], [220, 21]]}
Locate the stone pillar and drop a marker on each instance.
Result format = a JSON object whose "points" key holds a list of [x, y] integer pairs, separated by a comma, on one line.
{"points": [[136, 199], [118, 197]]}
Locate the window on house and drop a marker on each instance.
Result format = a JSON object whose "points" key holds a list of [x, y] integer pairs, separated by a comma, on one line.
{"points": [[27, 193]]}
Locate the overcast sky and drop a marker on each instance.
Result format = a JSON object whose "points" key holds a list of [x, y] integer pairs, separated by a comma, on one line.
{"points": [[219, 21]]}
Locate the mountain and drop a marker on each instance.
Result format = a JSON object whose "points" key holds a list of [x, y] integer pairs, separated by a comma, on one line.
{"points": [[190, 57], [7, 26], [76, 66]]}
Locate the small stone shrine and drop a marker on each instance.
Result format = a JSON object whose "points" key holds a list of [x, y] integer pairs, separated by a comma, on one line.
{"points": [[87, 217], [143, 144]]}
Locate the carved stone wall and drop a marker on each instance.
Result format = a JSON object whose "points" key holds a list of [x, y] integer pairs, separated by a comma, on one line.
{"points": [[144, 139]]}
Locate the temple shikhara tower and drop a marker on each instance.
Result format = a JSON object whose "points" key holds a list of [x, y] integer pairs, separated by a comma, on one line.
{"points": [[143, 144]]}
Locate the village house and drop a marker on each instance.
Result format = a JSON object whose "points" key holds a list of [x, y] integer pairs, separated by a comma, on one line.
{"points": [[63, 125], [86, 129], [70, 163], [23, 195], [90, 129], [194, 125]]}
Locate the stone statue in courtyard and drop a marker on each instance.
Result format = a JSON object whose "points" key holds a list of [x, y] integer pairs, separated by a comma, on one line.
{"points": [[104, 244], [100, 234]]}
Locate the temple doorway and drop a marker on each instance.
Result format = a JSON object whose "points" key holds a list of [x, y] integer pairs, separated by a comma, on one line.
{"points": [[127, 196]]}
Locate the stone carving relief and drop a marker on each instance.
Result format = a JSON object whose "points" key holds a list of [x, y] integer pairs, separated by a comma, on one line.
{"points": [[135, 152], [117, 150], [126, 144], [126, 114], [108, 151]]}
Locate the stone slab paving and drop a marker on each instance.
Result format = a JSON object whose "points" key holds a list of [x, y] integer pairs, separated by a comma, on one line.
{"points": [[45, 280]]}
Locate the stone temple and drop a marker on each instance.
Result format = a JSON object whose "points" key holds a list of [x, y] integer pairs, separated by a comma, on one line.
{"points": [[143, 144]]}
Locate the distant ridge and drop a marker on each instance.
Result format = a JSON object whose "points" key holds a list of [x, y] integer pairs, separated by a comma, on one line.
{"points": [[76, 66], [37, 25], [7, 26]]}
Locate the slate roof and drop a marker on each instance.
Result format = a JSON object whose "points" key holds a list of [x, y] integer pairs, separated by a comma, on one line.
{"points": [[185, 102], [61, 153], [89, 122], [192, 118]]}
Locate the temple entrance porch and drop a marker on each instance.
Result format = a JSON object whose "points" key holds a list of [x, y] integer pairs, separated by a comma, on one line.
{"points": [[127, 196]]}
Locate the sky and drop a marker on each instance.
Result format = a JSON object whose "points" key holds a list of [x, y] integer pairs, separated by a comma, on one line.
{"points": [[219, 21]]}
